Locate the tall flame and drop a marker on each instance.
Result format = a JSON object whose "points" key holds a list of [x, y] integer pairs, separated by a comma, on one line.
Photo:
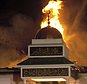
{"points": [[52, 9]]}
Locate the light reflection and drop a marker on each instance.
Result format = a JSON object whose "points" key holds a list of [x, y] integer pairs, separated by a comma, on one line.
{"points": [[48, 79]]}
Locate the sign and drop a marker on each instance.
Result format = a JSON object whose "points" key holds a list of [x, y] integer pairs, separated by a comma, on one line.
{"points": [[46, 51], [40, 72]]}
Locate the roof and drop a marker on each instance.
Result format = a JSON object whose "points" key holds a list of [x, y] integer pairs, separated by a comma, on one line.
{"points": [[9, 70], [45, 61], [48, 32]]}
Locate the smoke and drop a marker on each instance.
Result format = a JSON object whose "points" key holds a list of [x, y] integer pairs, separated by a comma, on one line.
{"points": [[82, 80], [15, 39], [8, 56], [74, 22], [24, 31]]}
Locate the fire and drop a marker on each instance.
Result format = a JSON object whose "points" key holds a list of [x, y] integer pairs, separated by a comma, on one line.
{"points": [[52, 9]]}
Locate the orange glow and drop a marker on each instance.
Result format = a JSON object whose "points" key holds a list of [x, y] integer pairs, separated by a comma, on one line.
{"points": [[52, 8], [48, 79]]}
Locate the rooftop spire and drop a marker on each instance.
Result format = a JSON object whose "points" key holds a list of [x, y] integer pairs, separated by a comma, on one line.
{"points": [[49, 18]]}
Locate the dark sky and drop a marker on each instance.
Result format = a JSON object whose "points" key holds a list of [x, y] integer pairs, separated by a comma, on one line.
{"points": [[9, 8], [20, 20]]}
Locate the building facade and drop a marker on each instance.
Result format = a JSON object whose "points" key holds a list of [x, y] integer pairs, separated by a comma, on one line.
{"points": [[47, 59], [47, 63]]}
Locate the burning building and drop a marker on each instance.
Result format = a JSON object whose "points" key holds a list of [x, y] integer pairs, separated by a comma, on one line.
{"points": [[48, 53], [48, 59]]}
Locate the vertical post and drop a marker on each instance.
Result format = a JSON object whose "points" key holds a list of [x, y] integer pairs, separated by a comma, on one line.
{"points": [[49, 18], [32, 82], [59, 82], [67, 81], [24, 81]]}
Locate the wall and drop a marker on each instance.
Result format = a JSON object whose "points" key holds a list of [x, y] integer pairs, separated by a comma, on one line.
{"points": [[15, 79], [10, 79], [81, 80]]}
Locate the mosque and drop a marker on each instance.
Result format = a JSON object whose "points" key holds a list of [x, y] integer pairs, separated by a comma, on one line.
{"points": [[47, 63]]}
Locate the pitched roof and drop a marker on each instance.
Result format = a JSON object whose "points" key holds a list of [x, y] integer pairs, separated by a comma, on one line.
{"points": [[9, 70], [45, 61]]}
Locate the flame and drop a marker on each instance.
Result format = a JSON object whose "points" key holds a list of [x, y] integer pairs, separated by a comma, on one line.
{"points": [[52, 9]]}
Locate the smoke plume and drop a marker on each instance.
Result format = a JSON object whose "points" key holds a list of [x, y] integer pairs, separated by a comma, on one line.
{"points": [[74, 21], [15, 39]]}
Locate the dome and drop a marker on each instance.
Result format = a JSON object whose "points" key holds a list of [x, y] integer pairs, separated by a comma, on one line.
{"points": [[48, 33]]}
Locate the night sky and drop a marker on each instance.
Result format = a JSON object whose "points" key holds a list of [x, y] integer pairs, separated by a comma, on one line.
{"points": [[20, 20]]}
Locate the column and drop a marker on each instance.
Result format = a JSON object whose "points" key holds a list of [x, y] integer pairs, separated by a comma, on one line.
{"points": [[24, 81], [67, 81], [32, 82]]}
